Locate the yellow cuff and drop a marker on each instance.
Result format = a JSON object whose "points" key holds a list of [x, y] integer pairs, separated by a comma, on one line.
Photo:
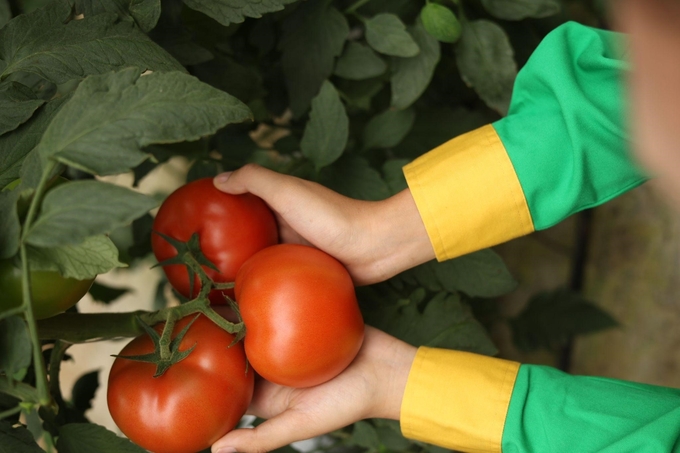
{"points": [[468, 194], [458, 400]]}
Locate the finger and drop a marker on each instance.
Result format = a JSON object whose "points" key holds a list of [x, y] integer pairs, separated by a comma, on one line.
{"points": [[252, 178], [290, 426]]}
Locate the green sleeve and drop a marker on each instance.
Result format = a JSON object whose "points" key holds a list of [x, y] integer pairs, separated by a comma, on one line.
{"points": [[552, 412], [565, 131]]}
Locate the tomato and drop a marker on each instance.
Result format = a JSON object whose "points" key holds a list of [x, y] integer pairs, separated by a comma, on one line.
{"points": [[194, 403], [51, 292], [231, 229], [303, 324]]}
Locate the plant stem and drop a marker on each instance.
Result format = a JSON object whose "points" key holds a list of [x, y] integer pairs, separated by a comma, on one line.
{"points": [[27, 306], [19, 390], [355, 6], [13, 311], [56, 357], [38, 363], [10, 412]]}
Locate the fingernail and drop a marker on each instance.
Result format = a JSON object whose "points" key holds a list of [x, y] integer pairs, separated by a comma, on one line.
{"points": [[226, 450], [221, 179]]}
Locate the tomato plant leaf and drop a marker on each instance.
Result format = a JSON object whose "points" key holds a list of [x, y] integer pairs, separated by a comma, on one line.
{"points": [[364, 435], [9, 223], [445, 322], [94, 255], [387, 34], [410, 76], [354, 177], [478, 274], [521, 9], [144, 12], [17, 104], [111, 117], [313, 35], [327, 130], [88, 437], [74, 211], [440, 22], [106, 294], [15, 347], [388, 128], [235, 11], [359, 62], [486, 62], [17, 439], [5, 12], [16, 146], [394, 175], [551, 318], [46, 43]]}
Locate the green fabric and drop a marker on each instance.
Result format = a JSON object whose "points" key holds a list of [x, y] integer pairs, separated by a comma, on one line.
{"points": [[564, 131], [553, 412]]}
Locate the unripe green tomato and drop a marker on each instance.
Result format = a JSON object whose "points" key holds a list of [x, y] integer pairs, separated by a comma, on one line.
{"points": [[52, 293]]}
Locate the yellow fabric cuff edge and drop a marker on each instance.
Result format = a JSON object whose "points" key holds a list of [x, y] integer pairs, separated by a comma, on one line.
{"points": [[468, 194], [458, 400]]}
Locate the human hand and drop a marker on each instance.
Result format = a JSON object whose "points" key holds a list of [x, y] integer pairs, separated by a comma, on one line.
{"points": [[374, 240], [372, 386]]}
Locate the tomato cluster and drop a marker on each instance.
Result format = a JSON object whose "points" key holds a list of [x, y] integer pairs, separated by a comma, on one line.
{"points": [[303, 323]]}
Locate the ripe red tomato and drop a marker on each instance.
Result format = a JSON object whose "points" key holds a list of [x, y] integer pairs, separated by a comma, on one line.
{"points": [[231, 228], [194, 403], [303, 324]]}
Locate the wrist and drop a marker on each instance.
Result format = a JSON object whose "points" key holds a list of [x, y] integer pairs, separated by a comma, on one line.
{"points": [[401, 232]]}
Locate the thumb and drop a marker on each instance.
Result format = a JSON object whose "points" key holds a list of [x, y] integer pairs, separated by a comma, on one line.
{"points": [[251, 178]]}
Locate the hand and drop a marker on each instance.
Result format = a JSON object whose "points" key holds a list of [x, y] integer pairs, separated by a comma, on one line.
{"points": [[372, 386], [374, 240]]}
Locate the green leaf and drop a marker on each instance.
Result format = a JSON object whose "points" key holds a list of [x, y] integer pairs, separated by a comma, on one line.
{"points": [[389, 433], [486, 62], [235, 11], [84, 390], [327, 130], [106, 294], [15, 147], [360, 93], [111, 117], [15, 347], [46, 43], [387, 34], [359, 62], [440, 22], [241, 81], [9, 223], [94, 255], [144, 12], [202, 169], [388, 128], [313, 35], [364, 435], [17, 104], [394, 175], [478, 274], [88, 438], [410, 76], [141, 236], [445, 322], [354, 177], [5, 12], [521, 9], [74, 211], [17, 440], [551, 318]]}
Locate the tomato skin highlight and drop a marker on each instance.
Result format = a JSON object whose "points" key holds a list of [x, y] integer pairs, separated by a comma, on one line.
{"points": [[51, 293], [303, 323], [194, 403], [231, 229]]}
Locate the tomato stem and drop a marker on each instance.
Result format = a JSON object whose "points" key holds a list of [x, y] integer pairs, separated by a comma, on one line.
{"points": [[56, 358]]}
